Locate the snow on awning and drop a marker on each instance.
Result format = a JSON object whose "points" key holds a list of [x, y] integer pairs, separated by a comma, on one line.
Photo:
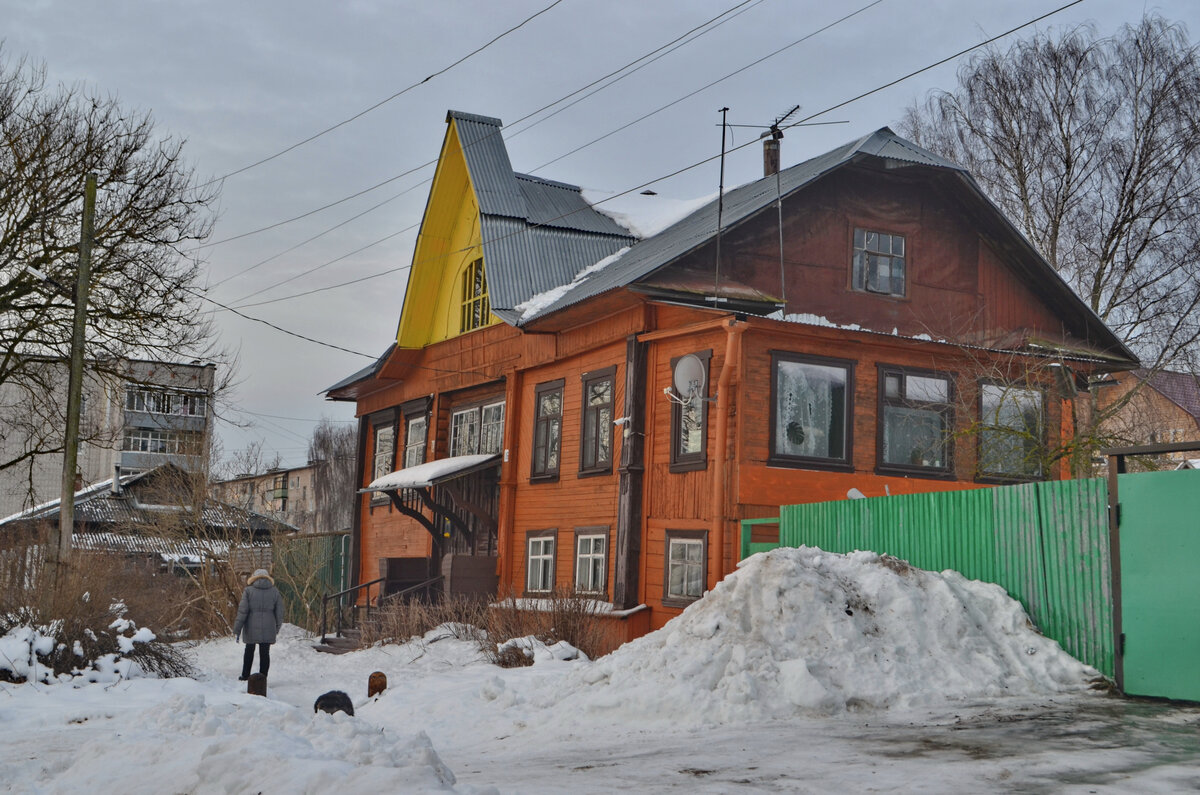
{"points": [[431, 473]]}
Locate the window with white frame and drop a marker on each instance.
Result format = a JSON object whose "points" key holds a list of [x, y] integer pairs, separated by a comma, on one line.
{"points": [[161, 440], [385, 450], [915, 420], [414, 440], [879, 262], [686, 566], [539, 573], [478, 429], [591, 560], [1012, 440]]}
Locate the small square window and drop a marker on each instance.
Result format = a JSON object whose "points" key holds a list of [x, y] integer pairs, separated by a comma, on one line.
{"points": [[878, 264]]}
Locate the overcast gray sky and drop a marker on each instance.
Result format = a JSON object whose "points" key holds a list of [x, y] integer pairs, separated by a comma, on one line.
{"points": [[242, 81]]}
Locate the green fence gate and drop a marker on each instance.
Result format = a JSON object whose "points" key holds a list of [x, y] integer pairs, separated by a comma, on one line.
{"points": [[1160, 589]]}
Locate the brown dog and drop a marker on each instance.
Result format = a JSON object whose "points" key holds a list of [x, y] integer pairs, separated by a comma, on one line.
{"points": [[376, 684], [256, 685]]}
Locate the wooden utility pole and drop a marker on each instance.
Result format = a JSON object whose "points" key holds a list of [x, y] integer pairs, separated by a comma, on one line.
{"points": [[66, 508]]}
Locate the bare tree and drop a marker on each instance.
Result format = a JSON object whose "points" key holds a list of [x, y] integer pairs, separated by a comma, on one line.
{"points": [[333, 454], [150, 214], [1092, 146]]}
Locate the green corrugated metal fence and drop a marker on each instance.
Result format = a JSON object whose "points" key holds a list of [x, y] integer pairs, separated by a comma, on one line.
{"points": [[1045, 543]]}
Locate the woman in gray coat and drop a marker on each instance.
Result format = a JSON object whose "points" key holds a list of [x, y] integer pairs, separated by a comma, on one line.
{"points": [[259, 617]]}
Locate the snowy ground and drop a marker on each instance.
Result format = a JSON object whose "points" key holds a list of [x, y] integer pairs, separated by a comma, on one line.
{"points": [[804, 672]]}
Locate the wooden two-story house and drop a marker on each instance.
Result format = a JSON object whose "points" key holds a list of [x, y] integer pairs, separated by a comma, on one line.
{"points": [[569, 407]]}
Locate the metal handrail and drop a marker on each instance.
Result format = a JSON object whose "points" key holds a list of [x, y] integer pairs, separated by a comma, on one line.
{"points": [[328, 597], [393, 596]]}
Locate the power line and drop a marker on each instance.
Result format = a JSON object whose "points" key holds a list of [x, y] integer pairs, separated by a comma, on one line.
{"points": [[707, 160], [708, 24], [382, 102]]}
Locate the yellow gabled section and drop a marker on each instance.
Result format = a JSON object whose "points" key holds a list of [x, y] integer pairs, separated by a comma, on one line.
{"points": [[448, 244]]}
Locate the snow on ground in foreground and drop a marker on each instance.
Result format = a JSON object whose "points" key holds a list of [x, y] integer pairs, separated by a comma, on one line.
{"points": [[792, 638], [810, 632]]}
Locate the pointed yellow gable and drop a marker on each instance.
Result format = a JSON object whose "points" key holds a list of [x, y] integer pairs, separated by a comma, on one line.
{"points": [[447, 291]]}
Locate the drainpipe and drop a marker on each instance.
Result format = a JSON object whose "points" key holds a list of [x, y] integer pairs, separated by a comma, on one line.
{"points": [[733, 355], [508, 481]]}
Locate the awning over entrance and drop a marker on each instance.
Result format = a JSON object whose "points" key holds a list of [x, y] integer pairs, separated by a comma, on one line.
{"points": [[413, 491], [432, 473]]}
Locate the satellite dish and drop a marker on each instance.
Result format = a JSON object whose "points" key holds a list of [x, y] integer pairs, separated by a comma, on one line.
{"points": [[690, 376]]}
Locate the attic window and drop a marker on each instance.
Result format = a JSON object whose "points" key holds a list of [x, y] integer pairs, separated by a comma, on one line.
{"points": [[475, 306], [878, 265]]}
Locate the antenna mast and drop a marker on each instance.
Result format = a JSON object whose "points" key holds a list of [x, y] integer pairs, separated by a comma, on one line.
{"points": [[720, 209], [776, 133]]}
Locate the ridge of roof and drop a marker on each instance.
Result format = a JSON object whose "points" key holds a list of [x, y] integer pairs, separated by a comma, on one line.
{"points": [[458, 114]]}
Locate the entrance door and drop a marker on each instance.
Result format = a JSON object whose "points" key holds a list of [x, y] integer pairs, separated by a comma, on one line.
{"points": [[1160, 586]]}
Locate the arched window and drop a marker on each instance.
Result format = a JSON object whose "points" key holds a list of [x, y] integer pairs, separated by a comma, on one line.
{"points": [[475, 306]]}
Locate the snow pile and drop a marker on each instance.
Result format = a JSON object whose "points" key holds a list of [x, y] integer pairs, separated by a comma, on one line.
{"points": [[539, 652], [811, 632], [538, 302], [645, 215]]}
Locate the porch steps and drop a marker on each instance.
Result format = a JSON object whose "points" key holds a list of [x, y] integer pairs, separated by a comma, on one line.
{"points": [[350, 640]]}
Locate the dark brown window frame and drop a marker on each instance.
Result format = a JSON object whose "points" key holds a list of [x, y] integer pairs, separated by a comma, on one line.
{"points": [[412, 410], [477, 405], [691, 462], [683, 535], [591, 532], [774, 458], [868, 228], [946, 409], [549, 475], [586, 380], [997, 477], [530, 535], [384, 419]]}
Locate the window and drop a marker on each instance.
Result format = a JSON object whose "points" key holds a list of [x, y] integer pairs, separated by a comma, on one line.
{"points": [[689, 426], [915, 421], [385, 450], [596, 435], [878, 265], [810, 410], [479, 429], [687, 556], [167, 442], [591, 560], [539, 573], [547, 430], [156, 400], [414, 440], [475, 306], [1011, 441]]}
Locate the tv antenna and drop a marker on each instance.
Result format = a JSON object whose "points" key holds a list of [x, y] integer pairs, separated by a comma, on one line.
{"points": [[688, 381]]}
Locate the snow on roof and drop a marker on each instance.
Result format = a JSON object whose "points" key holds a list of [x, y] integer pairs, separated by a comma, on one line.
{"points": [[644, 215], [542, 300], [429, 473], [803, 631]]}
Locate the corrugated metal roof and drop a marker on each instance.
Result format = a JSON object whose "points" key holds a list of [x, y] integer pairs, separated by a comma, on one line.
{"points": [[537, 233], [1182, 389], [739, 203]]}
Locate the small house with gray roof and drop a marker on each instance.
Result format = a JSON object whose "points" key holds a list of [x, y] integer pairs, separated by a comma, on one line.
{"points": [[568, 407]]}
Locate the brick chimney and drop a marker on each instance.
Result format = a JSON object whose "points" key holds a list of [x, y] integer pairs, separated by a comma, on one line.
{"points": [[770, 155]]}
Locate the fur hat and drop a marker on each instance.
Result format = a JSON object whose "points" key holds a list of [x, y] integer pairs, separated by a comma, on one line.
{"points": [[260, 574]]}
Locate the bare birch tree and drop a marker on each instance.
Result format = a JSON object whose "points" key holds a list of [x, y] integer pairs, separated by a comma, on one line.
{"points": [[1092, 146]]}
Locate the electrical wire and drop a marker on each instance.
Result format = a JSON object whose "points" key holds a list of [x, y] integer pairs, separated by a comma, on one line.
{"points": [[705, 161], [382, 102]]}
